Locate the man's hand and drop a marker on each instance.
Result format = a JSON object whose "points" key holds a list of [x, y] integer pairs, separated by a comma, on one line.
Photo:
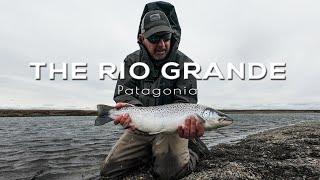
{"points": [[120, 105], [193, 127], [124, 119]]}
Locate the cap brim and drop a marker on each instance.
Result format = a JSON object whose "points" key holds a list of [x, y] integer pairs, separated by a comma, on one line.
{"points": [[156, 30]]}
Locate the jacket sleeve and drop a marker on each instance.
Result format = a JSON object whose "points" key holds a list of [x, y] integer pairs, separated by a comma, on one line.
{"points": [[189, 91], [128, 83]]}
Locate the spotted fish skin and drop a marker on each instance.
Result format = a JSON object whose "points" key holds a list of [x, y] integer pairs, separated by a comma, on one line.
{"points": [[164, 118]]}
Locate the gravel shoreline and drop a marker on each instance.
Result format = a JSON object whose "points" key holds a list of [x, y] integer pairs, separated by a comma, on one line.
{"points": [[291, 152]]}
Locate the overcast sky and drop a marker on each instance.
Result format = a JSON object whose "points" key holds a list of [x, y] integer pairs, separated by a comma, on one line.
{"points": [[212, 31]]}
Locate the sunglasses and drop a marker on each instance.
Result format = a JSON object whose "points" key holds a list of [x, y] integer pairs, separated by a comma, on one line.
{"points": [[155, 38]]}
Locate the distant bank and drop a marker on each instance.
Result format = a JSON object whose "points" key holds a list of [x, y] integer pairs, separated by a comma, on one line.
{"points": [[35, 113]]}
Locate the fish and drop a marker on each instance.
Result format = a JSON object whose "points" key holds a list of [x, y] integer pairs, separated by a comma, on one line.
{"points": [[164, 118]]}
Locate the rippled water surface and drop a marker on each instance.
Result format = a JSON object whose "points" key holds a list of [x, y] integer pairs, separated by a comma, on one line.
{"points": [[72, 147]]}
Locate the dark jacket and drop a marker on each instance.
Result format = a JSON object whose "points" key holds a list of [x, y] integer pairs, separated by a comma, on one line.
{"points": [[155, 80]]}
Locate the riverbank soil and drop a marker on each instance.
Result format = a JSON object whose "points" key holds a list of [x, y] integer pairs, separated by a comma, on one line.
{"points": [[286, 153], [291, 152]]}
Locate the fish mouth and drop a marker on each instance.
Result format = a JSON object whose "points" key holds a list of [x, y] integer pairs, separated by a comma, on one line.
{"points": [[226, 120]]}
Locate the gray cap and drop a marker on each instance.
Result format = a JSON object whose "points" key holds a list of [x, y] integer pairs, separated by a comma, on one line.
{"points": [[154, 22]]}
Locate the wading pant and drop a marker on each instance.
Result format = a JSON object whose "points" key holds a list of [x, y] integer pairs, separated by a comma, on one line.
{"points": [[168, 153]]}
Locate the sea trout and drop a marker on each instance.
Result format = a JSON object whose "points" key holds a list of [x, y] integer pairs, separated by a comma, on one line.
{"points": [[164, 118]]}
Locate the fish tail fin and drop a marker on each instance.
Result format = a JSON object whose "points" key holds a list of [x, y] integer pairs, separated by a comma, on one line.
{"points": [[103, 114]]}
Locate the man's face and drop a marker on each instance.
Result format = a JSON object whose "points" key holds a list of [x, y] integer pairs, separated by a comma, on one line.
{"points": [[158, 45]]}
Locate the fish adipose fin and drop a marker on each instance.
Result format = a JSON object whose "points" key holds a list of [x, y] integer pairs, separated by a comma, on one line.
{"points": [[103, 114]]}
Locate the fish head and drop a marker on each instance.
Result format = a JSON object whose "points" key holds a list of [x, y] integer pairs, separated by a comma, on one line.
{"points": [[215, 119]]}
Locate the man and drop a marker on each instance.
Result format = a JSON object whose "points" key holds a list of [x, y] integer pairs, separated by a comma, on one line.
{"points": [[169, 154]]}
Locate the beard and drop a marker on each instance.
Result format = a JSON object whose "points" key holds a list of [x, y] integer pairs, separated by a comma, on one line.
{"points": [[160, 54]]}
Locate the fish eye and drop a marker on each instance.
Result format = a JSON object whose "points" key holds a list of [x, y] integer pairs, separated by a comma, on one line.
{"points": [[206, 113]]}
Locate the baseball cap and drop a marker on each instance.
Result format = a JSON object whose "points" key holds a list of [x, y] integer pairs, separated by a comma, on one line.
{"points": [[154, 22]]}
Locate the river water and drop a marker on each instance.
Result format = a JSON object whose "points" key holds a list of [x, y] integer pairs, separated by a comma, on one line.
{"points": [[73, 148]]}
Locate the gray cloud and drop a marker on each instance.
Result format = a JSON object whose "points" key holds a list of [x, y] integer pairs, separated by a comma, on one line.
{"points": [[212, 31]]}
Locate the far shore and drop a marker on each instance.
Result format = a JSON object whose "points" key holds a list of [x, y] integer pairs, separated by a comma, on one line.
{"points": [[37, 112]]}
